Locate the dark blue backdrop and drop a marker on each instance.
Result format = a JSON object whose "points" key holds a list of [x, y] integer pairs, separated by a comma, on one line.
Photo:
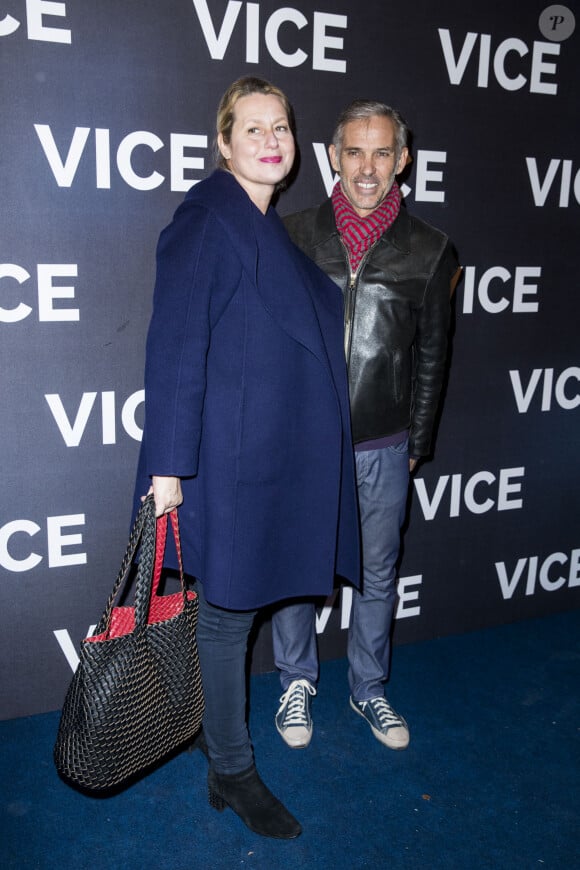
{"points": [[108, 114]]}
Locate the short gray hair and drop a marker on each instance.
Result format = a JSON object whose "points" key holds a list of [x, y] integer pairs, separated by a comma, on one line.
{"points": [[364, 110]]}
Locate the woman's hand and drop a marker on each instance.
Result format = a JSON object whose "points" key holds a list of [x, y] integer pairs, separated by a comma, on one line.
{"points": [[167, 494]]}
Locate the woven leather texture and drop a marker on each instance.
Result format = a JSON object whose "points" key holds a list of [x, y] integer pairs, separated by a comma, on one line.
{"points": [[137, 696]]}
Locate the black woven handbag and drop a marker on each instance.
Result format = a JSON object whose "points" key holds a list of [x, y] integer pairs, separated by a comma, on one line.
{"points": [[136, 694]]}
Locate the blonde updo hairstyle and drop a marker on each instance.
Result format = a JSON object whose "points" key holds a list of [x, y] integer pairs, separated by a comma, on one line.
{"points": [[244, 87]]}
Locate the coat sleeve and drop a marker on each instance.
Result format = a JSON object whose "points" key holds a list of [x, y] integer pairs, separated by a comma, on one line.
{"points": [[194, 282], [430, 352]]}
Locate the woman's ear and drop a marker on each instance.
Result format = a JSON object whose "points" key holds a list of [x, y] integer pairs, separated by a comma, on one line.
{"points": [[224, 149]]}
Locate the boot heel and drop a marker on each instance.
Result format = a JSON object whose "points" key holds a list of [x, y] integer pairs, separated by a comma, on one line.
{"points": [[216, 801], [253, 802]]}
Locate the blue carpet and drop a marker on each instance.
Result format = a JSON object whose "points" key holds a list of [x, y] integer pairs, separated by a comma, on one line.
{"points": [[490, 779]]}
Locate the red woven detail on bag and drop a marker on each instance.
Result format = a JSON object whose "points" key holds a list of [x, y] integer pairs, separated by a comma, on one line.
{"points": [[161, 607]]}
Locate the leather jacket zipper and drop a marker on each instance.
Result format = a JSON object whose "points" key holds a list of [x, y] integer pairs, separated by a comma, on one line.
{"points": [[348, 314], [350, 297]]}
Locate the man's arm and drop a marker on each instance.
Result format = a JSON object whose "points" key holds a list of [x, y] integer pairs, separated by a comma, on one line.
{"points": [[430, 347]]}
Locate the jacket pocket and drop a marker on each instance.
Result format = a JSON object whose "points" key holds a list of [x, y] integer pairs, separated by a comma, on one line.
{"points": [[397, 375]]}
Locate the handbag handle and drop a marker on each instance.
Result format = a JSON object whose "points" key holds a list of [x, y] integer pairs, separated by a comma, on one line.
{"points": [[143, 518], [161, 538], [152, 533], [160, 547]]}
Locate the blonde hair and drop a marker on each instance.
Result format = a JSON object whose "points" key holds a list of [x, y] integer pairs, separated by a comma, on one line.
{"points": [[244, 87]]}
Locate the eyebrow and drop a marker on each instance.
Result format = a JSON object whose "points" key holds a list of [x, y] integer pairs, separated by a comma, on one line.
{"points": [[261, 120], [362, 148]]}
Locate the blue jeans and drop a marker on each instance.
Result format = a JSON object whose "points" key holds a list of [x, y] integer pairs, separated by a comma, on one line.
{"points": [[383, 482], [222, 642]]}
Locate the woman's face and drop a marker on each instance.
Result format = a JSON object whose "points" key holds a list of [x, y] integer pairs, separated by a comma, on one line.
{"points": [[261, 151]]}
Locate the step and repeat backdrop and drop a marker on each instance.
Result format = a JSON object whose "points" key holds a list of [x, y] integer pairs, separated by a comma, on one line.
{"points": [[107, 119]]}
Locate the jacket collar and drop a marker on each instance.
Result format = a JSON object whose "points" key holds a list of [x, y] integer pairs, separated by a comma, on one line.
{"points": [[231, 205]]}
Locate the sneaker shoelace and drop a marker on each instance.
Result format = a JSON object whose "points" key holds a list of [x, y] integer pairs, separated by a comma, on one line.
{"points": [[295, 700], [384, 712]]}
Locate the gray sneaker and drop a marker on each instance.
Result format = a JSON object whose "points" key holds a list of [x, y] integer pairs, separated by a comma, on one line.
{"points": [[293, 719], [387, 726]]}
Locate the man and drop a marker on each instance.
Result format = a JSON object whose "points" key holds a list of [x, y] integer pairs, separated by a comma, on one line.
{"points": [[397, 275]]}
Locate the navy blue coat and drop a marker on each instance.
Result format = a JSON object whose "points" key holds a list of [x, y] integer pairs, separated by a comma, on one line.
{"points": [[246, 400]]}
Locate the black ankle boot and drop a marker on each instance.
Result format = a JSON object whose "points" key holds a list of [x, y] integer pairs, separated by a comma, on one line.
{"points": [[255, 804]]}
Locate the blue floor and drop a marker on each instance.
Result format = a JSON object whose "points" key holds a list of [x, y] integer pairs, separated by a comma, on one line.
{"points": [[490, 779]]}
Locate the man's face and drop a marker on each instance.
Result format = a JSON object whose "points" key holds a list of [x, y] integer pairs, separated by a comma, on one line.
{"points": [[366, 162]]}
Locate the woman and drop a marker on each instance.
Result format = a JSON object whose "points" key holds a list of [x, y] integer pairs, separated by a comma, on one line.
{"points": [[247, 421]]}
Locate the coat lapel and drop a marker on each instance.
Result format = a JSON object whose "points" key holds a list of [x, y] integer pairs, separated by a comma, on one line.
{"points": [[231, 205], [290, 286]]}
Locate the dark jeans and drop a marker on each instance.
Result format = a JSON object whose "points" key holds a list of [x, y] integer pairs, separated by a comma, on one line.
{"points": [[222, 640]]}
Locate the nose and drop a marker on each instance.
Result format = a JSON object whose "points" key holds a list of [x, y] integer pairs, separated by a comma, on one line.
{"points": [[271, 140], [367, 164]]}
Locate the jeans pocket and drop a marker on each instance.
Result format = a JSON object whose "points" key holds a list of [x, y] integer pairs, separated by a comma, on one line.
{"points": [[401, 448]]}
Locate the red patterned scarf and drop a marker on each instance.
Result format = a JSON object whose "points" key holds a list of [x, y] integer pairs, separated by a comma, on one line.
{"points": [[358, 234]]}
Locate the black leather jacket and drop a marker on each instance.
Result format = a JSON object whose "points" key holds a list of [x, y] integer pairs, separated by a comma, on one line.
{"points": [[396, 320]]}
